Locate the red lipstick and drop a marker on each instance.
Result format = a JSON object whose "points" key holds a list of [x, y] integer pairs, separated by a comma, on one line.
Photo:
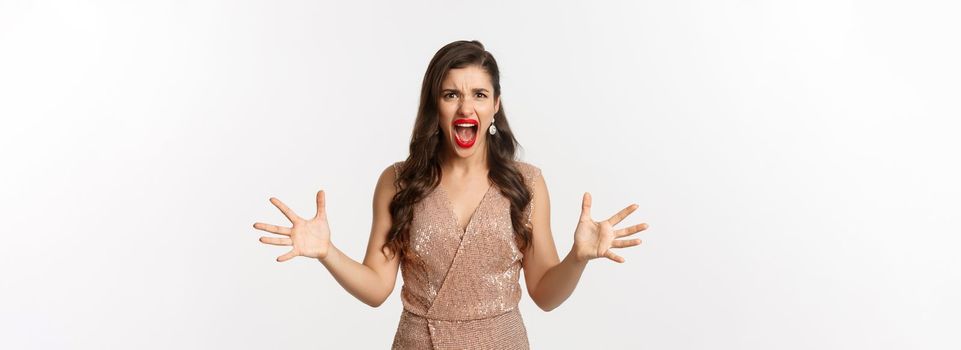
{"points": [[465, 132]]}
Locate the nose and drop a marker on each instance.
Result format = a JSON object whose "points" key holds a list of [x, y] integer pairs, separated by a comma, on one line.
{"points": [[466, 108]]}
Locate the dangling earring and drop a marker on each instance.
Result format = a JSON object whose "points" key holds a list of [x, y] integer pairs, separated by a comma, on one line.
{"points": [[493, 129]]}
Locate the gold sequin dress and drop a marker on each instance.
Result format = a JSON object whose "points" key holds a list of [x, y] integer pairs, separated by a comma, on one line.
{"points": [[461, 287]]}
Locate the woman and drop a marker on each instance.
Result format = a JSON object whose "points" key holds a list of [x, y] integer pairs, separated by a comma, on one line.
{"points": [[460, 217]]}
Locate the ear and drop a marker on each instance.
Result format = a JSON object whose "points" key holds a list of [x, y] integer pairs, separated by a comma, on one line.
{"points": [[497, 105]]}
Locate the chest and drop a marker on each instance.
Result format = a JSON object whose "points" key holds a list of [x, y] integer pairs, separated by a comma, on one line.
{"points": [[485, 239], [464, 199]]}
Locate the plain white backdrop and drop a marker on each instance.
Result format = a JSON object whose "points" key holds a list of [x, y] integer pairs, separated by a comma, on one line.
{"points": [[797, 162]]}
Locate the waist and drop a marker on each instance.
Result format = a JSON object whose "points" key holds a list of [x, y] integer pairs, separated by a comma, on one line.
{"points": [[476, 301], [434, 318]]}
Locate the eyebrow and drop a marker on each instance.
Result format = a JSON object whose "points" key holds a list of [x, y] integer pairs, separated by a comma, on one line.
{"points": [[475, 90]]}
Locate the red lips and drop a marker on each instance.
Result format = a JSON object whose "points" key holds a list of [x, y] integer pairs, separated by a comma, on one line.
{"points": [[470, 134]]}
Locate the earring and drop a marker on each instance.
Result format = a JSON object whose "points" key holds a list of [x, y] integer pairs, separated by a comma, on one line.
{"points": [[493, 129]]}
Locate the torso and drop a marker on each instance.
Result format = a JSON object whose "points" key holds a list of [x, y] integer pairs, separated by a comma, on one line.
{"points": [[461, 289]]}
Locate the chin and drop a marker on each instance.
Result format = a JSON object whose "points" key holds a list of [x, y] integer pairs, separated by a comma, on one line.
{"points": [[466, 150]]}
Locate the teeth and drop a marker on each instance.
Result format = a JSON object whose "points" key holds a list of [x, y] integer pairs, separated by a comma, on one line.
{"points": [[464, 125]]}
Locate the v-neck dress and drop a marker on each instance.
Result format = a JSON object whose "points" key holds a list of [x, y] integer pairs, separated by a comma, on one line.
{"points": [[461, 287]]}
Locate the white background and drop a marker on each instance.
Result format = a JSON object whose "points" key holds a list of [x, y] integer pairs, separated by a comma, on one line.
{"points": [[797, 163]]}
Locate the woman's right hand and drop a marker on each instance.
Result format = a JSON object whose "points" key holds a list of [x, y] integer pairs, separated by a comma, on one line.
{"points": [[309, 238]]}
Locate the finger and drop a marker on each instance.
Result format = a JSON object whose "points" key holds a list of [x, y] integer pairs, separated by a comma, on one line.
{"points": [[615, 257], [586, 206], [627, 231], [284, 209], [624, 243], [622, 214], [321, 205], [276, 240], [272, 228], [290, 255]]}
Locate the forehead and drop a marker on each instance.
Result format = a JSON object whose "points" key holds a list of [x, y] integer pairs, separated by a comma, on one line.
{"points": [[470, 76]]}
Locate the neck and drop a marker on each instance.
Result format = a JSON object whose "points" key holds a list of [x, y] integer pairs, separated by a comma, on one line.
{"points": [[457, 166]]}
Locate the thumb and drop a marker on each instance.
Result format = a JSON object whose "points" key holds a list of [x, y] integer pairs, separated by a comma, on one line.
{"points": [[586, 206], [321, 204]]}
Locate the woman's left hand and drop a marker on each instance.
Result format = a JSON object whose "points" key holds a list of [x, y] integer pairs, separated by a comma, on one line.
{"points": [[594, 239]]}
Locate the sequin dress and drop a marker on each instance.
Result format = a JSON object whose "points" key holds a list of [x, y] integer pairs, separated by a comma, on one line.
{"points": [[461, 286]]}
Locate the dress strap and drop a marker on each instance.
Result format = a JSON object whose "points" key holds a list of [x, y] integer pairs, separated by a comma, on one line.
{"points": [[397, 166]]}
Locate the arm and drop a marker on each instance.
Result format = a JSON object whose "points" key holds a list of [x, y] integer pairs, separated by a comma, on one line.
{"points": [[551, 281], [373, 280]]}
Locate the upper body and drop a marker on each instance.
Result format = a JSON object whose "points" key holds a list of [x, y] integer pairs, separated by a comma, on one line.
{"points": [[467, 97], [461, 144], [473, 139]]}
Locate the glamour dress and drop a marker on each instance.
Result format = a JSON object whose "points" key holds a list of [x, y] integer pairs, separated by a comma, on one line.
{"points": [[461, 286]]}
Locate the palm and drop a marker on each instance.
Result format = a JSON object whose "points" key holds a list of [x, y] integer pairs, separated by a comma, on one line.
{"points": [[594, 239], [308, 238]]}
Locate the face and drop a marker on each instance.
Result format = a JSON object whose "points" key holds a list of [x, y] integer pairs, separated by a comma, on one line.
{"points": [[466, 105]]}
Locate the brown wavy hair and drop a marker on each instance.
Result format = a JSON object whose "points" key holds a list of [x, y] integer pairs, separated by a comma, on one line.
{"points": [[421, 172]]}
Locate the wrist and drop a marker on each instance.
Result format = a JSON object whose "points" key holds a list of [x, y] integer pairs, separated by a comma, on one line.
{"points": [[328, 254], [575, 257]]}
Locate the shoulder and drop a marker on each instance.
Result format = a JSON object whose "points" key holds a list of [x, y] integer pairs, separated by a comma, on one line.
{"points": [[530, 171], [533, 177], [389, 176], [396, 166]]}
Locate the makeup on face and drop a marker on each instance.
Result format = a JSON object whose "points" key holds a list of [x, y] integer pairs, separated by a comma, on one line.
{"points": [[465, 132], [465, 100]]}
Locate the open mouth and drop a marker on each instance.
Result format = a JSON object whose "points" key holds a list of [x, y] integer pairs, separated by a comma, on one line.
{"points": [[465, 132]]}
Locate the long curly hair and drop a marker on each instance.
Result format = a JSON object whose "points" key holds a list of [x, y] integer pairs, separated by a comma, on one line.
{"points": [[421, 172]]}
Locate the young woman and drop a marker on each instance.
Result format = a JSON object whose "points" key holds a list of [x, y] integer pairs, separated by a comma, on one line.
{"points": [[459, 217]]}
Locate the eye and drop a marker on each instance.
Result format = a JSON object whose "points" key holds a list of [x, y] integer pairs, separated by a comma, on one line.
{"points": [[450, 95], [481, 95]]}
